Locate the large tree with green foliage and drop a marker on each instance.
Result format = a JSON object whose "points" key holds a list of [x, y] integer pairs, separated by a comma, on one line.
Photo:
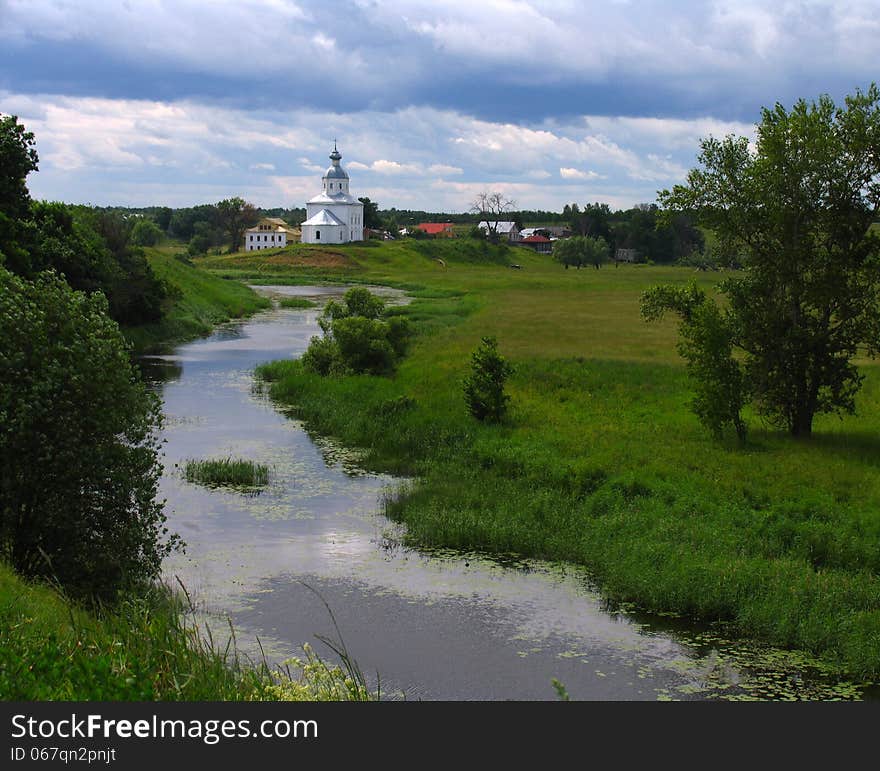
{"points": [[234, 216], [372, 219], [18, 158], [580, 251], [79, 452], [799, 205]]}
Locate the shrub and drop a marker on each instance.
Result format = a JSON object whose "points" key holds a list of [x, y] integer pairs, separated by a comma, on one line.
{"points": [[484, 386], [79, 460], [363, 345], [356, 338], [146, 233]]}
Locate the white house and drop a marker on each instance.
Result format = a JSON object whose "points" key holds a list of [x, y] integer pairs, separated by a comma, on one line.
{"points": [[268, 233], [333, 216], [507, 230]]}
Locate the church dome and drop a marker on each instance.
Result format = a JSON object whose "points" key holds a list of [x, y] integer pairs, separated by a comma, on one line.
{"points": [[335, 171]]}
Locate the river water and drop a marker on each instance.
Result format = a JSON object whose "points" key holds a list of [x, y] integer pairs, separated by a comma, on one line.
{"points": [[420, 624]]}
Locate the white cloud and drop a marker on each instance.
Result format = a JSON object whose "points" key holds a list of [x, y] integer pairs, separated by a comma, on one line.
{"points": [[445, 170], [569, 173], [104, 150]]}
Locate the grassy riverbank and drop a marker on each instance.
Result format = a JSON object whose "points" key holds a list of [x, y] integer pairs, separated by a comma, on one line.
{"points": [[601, 461], [148, 648], [197, 302]]}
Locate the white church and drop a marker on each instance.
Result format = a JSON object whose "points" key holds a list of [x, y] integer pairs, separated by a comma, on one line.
{"points": [[333, 216]]}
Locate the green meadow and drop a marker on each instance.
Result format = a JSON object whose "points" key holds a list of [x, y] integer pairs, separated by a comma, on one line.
{"points": [[600, 461]]}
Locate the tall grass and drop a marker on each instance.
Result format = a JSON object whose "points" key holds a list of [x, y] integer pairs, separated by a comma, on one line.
{"points": [[225, 472], [146, 648]]}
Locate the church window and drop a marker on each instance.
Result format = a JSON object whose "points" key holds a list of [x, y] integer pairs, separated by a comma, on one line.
{"points": [[317, 235]]}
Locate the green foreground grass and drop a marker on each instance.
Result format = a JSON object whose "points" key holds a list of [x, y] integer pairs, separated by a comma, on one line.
{"points": [[148, 648], [197, 302], [601, 461]]}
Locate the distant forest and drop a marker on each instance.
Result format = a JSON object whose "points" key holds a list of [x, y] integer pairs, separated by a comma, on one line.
{"points": [[661, 239]]}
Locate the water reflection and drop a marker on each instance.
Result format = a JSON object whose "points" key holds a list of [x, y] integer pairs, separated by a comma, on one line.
{"points": [[156, 370], [434, 623]]}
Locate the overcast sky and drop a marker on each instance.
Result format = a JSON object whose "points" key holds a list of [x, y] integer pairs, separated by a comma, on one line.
{"points": [[179, 102]]}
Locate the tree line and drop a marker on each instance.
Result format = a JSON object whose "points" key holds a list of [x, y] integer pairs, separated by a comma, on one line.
{"points": [[79, 444]]}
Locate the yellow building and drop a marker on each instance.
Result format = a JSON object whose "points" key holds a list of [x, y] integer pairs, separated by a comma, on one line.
{"points": [[270, 233]]}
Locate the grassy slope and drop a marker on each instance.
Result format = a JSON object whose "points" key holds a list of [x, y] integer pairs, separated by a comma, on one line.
{"points": [[199, 301], [51, 650], [602, 462]]}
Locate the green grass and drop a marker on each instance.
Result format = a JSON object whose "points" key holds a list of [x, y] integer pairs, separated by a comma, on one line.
{"points": [[601, 461], [226, 472], [296, 303], [197, 302], [147, 648]]}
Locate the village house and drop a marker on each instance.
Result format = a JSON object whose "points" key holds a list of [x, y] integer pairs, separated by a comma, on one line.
{"points": [[539, 243], [333, 216], [437, 229], [505, 230], [269, 233], [626, 255]]}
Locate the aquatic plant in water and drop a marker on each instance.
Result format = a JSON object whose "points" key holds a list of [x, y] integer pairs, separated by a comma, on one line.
{"points": [[226, 472]]}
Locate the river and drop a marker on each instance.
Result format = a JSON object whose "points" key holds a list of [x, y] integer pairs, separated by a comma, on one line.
{"points": [[420, 624]]}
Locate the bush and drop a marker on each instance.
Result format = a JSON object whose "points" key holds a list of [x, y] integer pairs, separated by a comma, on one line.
{"points": [[356, 339], [484, 387], [79, 460], [146, 233], [363, 345]]}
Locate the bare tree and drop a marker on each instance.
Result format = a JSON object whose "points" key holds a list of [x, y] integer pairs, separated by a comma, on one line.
{"points": [[492, 206]]}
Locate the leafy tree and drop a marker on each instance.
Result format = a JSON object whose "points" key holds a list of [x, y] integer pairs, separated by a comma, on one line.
{"points": [[706, 344], [357, 339], [372, 219], [358, 301], [163, 217], [18, 158], [234, 216], [580, 251], [79, 453], [184, 222], [137, 296], [484, 386], [145, 233], [593, 220], [799, 208], [568, 252], [56, 240], [202, 239], [595, 251]]}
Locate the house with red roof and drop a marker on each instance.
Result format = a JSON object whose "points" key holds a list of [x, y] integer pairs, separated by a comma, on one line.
{"points": [[541, 244], [437, 229]]}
